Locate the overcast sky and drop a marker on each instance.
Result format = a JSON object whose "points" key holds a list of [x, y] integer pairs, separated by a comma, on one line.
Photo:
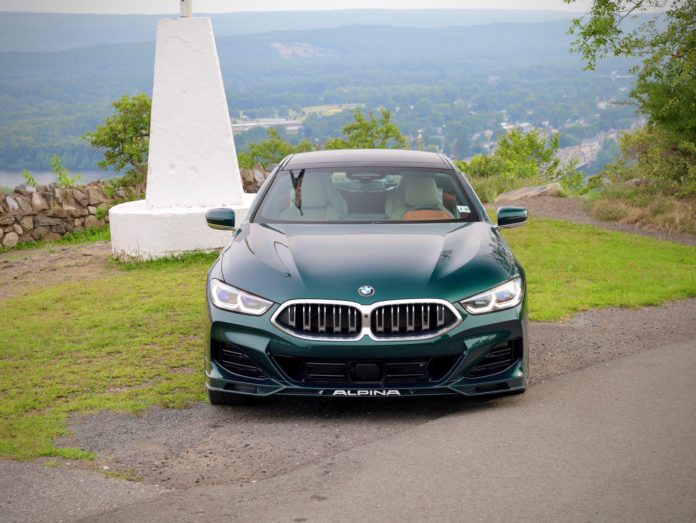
{"points": [[228, 6]]}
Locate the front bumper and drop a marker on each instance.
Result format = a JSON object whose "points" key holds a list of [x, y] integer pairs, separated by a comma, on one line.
{"points": [[262, 370]]}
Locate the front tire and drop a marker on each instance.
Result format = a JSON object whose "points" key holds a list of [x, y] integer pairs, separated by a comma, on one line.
{"points": [[217, 397]]}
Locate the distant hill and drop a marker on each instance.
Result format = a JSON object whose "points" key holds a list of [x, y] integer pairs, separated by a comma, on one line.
{"points": [[57, 32], [266, 61], [451, 83]]}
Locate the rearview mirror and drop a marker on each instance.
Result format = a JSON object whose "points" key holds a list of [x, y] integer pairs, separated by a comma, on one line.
{"points": [[509, 217], [220, 218]]}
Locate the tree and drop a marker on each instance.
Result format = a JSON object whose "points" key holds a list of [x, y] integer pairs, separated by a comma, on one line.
{"points": [[665, 40], [369, 133], [650, 159], [518, 155], [125, 138], [665, 90], [271, 150]]}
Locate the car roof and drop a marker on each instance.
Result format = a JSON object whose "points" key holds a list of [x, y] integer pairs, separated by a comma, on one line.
{"points": [[366, 157]]}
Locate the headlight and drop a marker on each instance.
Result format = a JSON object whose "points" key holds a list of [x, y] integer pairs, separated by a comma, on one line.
{"points": [[504, 296], [227, 297]]}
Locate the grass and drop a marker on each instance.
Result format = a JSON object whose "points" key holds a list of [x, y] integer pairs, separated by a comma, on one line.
{"points": [[72, 238], [571, 268], [134, 339], [124, 343]]}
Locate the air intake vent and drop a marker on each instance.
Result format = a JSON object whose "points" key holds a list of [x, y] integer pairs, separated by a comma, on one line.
{"points": [[498, 358], [410, 319], [233, 359], [338, 372], [321, 320]]}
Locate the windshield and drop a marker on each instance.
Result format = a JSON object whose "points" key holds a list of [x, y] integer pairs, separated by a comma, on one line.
{"points": [[365, 194]]}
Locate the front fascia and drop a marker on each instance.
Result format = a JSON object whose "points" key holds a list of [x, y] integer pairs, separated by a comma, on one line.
{"points": [[470, 338]]}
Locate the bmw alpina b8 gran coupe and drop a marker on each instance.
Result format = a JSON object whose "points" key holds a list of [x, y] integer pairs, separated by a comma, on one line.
{"points": [[364, 273]]}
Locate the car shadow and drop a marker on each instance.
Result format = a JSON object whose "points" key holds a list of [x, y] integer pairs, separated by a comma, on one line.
{"points": [[376, 409]]}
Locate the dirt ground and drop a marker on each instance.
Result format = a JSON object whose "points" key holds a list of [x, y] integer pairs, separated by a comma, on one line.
{"points": [[25, 270], [212, 445]]}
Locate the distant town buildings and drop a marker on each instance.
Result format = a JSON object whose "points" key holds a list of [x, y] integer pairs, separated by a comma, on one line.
{"points": [[290, 126]]}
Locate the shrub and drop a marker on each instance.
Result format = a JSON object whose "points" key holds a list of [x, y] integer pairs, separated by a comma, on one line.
{"points": [[63, 178], [521, 159], [29, 179]]}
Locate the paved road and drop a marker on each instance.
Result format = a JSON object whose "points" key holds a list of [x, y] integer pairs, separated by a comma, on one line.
{"points": [[613, 442]]}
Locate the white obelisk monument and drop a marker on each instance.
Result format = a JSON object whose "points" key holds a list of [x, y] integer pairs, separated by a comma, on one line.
{"points": [[192, 163]]}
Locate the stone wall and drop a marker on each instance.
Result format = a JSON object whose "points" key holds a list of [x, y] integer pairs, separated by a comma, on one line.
{"points": [[49, 211]]}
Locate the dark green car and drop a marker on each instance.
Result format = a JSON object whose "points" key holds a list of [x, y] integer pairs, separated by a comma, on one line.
{"points": [[366, 273]]}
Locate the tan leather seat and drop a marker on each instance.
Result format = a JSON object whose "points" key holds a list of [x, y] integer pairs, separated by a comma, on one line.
{"points": [[315, 203], [422, 201]]}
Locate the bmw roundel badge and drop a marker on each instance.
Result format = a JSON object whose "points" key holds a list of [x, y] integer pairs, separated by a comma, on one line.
{"points": [[366, 290]]}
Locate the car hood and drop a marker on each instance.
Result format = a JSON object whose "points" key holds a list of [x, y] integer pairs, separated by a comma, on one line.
{"points": [[324, 261]]}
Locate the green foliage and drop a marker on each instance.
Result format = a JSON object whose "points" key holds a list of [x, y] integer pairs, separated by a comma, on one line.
{"points": [[361, 132], [655, 156], [666, 84], [520, 159], [271, 150], [102, 212], [654, 180], [665, 88], [80, 325], [29, 179], [652, 183], [599, 32], [125, 138], [63, 177], [369, 133]]}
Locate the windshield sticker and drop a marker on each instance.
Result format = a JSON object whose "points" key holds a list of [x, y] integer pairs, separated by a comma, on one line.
{"points": [[463, 209]]}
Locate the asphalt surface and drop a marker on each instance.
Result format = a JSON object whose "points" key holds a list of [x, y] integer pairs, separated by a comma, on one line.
{"points": [[612, 442]]}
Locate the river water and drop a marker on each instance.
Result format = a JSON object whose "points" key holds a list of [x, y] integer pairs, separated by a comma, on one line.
{"points": [[14, 178]]}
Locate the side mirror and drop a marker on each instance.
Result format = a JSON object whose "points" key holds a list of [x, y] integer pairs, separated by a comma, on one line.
{"points": [[509, 217], [221, 218]]}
